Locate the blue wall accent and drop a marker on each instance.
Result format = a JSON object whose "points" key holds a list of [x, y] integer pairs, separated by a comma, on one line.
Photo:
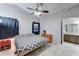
{"points": [[9, 27]]}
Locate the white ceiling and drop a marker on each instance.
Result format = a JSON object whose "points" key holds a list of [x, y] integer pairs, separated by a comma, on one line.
{"points": [[52, 7]]}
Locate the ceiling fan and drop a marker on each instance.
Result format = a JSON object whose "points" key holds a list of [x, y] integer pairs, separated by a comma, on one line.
{"points": [[38, 10]]}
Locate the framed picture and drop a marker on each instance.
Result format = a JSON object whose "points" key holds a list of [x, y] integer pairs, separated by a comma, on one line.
{"points": [[36, 28]]}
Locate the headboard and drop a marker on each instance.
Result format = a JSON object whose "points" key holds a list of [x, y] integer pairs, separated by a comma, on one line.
{"points": [[9, 27]]}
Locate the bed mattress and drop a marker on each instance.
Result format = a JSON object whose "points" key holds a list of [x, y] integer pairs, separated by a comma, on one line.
{"points": [[30, 41]]}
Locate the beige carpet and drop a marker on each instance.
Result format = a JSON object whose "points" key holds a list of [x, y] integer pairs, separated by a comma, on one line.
{"points": [[67, 49]]}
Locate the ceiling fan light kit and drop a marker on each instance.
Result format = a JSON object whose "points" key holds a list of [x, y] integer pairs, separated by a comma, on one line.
{"points": [[37, 13]]}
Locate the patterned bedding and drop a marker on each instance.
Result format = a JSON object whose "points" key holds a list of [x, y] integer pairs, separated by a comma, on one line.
{"points": [[30, 41]]}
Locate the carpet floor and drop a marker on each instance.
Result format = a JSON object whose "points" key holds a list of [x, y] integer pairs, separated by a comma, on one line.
{"points": [[66, 49]]}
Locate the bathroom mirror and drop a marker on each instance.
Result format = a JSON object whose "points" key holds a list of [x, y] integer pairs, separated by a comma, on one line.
{"points": [[71, 28]]}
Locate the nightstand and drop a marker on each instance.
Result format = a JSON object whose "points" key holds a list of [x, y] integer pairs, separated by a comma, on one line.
{"points": [[48, 36]]}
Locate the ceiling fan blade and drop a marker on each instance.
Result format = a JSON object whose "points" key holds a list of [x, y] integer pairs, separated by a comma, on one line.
{"points": [[30, 8], [45, 11], [32, 13]]}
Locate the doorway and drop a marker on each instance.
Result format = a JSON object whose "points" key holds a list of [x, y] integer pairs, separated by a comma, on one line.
{"points": [[70, 30]]}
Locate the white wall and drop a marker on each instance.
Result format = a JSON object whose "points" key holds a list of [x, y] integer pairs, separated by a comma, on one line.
{"points": [[25, 20], [71, 21], [52, 23], [53, 26]]}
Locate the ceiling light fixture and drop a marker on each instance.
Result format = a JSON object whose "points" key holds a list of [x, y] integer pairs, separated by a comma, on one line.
{"points": [[38, 13]]}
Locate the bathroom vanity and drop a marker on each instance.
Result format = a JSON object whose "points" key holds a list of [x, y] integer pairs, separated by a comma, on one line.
{"points": [[71, 37], [71, 30]]}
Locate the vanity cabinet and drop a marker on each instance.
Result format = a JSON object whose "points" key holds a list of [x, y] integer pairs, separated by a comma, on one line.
{"points": [[77, 40], [66, 38], [71, 38]]}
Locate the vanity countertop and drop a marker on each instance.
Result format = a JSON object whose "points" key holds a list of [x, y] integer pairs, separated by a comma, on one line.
{"points": [[77, 34]]}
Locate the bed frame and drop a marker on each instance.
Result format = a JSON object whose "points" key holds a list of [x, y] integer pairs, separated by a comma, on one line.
{"points": [[21, 52]]}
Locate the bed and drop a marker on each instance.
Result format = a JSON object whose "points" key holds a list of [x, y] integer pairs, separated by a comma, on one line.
{"points": [[26, 43], [22, 43]]}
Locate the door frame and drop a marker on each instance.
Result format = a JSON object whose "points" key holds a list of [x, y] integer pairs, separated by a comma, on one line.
{"points": [[62, 34]]}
